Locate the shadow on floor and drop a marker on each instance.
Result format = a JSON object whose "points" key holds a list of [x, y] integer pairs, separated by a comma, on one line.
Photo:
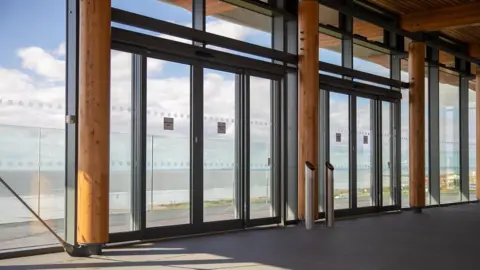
{"points": [[439, 238]]}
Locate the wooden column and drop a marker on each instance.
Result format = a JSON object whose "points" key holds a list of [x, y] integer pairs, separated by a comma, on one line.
{"points": [[416, 72], [307, 97], [477, 105], [93, 122]]}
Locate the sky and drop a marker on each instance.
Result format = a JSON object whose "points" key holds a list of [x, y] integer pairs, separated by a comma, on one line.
{"points": [[32, 84]]}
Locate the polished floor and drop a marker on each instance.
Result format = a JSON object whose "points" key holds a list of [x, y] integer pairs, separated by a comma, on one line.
{"points": [[438, 238], [31, 234]]}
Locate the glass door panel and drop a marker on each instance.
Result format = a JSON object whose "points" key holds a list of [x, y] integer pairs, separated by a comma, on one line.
{"points": [[261, 180], [120, 143], [386, 157], [220, 140], [449, 114], [339, 148], [365, 154], [168, 143]]}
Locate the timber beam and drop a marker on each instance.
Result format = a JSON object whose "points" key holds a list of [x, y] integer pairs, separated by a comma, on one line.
{"points": [[442, 18]]}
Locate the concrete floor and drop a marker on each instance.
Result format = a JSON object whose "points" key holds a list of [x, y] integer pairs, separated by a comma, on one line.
{"points": [[439, 238], [21, 235]]}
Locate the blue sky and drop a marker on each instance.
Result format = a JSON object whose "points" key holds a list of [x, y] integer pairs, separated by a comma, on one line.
{"points": [[30, 22], [42, 25]]}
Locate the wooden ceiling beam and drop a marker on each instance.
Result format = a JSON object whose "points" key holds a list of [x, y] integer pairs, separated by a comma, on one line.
{"points": [[438, 19], [474, 50]]}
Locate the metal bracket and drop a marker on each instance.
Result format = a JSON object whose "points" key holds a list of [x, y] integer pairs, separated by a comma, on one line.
{"points": [[71, 119]]}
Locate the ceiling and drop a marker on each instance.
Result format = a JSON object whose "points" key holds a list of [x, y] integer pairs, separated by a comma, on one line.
{"points": [[410, 6], [468, 32]]}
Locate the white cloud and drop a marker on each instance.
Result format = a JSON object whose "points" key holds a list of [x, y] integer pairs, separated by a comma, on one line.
{"points": [[218, 27], [42, 63], [60, 50], [228, 29]]}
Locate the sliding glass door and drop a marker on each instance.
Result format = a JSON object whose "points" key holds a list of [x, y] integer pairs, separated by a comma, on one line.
{"points": [[361, 146], [203, 151]]}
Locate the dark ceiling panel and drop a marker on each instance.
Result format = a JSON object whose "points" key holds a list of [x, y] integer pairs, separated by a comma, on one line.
{"points": [[411, 6], [470, 34]]}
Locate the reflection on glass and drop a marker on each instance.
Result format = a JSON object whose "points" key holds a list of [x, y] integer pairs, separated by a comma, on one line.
{"points": [[178, 12], [34, 171], [32, 122], [428, 198], [168, 143], [371, 61], [120, 142], [370, 31], [219, 157], [328, 16], [339, 151], [387, 179], [472, 141], [446, 59], [449, 138], [238, 23], [405, 146], [261, 182], [330, 49], [365, 177]]}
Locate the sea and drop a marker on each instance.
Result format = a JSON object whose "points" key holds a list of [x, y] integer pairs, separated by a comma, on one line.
{"points": [[32, 161]]}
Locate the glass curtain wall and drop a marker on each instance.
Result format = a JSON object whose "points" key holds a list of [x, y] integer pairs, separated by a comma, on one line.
{"points": [[371, 59], [32, 121], [220, 178], [167, 143], [261, 159], [187, 151], [339, 148], [449, 112], [238, 23], [178, 12], [472, 139], [120, 141], [330, 43], [365, 150]]}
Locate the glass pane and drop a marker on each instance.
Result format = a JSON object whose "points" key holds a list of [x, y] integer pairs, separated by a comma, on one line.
{"points": [[404, 138], [446, 59], [120, 142], [449, 138], [231, 21], [371, 61], [219, 157], [339, 150], [328, 16], [168, 143], [330, 50], [472, 140], [178, 12], [365, 150], [261, 181], [428, 198], [370, 31], [386, 157], [32, 121]]}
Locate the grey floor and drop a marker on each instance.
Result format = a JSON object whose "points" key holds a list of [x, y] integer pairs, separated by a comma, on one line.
{"points": [[439, 238], [17, 236]]}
